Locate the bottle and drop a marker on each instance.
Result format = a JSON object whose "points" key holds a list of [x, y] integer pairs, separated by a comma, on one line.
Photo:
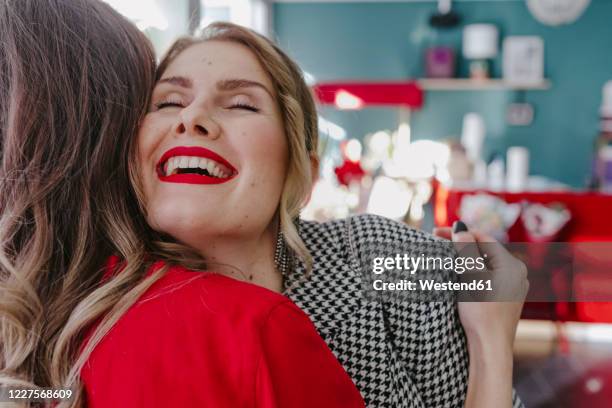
{"points": [[496, 173], [517, 168]]}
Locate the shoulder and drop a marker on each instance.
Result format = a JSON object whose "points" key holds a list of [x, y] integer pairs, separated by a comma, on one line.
{"points": [[180, 298], [183, 309], [206, 330], [371, 227], [290, 340], [364, 231], [314, 232], [366, 226]]}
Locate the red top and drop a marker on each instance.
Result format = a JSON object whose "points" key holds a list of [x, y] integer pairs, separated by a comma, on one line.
{"points": [[206, 340]]}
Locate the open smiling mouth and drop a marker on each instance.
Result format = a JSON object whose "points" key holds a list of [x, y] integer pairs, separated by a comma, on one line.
{"points": [[194, 165]]}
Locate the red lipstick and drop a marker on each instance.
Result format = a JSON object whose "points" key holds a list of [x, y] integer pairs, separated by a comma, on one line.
{"points": [[194, 151]]}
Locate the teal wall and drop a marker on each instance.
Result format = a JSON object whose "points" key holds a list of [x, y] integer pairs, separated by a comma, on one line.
{"points": [[385, 40]]}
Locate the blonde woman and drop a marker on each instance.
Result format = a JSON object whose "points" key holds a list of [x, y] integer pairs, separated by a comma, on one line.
{"points": [[136, 328], [226, 157]]}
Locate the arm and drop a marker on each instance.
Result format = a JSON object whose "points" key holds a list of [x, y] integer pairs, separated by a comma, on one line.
{"points": [[429, 337], [297, 369], [490, 374], [490, 327]]}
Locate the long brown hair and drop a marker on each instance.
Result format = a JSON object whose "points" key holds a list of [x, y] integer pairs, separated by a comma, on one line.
{"points": [[75, 81], [298, 111]]}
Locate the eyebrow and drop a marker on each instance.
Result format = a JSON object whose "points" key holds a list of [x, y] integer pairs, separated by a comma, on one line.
{"points": [[223, 85], [177, 80], [232, 84]]}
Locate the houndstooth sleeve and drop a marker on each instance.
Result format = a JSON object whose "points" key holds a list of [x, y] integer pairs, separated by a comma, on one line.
{"points": [[427, 336]]}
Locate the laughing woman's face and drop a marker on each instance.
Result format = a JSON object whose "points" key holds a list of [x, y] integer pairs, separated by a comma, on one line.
{"points": [[212, 149]]}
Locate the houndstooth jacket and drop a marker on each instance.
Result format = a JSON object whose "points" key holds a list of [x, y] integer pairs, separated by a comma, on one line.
{"points": [[398, 353]]}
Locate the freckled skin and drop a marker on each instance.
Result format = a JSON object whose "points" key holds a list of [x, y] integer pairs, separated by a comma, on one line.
{"points": [[253, 142]]}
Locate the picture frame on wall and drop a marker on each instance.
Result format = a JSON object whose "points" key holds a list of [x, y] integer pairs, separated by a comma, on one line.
{"points": [[523, 60]]}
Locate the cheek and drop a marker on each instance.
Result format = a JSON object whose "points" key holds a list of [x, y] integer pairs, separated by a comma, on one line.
{"points": [[269, 160], [263, 157], [146, 140], [150, 136]]}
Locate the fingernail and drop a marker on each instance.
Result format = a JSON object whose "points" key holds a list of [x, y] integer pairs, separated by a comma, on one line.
{"points": [[459, 226]]}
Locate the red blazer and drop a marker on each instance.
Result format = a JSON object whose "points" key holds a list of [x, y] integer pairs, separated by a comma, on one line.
{"points": [[207, 340]]}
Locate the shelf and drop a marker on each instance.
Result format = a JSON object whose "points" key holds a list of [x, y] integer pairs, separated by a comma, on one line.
{"points": [[465, 84], [408, 94], [355, 95]]}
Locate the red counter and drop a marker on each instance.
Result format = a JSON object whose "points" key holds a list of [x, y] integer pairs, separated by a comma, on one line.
{"points": [[591, 212], [591, 222]]}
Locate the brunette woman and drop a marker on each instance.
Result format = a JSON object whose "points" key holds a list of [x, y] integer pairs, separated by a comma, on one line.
{"points": [[87, 300]]}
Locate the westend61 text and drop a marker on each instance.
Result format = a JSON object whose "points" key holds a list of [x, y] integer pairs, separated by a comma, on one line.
{"points": [[432, 285]]}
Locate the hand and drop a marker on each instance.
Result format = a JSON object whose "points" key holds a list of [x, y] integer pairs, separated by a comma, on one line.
{"points": [[491, 324]]}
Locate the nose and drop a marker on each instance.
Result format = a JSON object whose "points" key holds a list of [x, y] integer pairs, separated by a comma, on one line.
{"points": [[196, 122]]}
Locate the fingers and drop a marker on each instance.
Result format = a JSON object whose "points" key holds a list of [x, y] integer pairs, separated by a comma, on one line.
{"points": [[497, 255], [464, 239], [507, 273], [443, 232], [467, 248], [482, 237], [514, 270]]}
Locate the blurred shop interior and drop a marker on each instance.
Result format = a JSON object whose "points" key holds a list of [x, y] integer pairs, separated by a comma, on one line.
{"points": [[498, 112]]}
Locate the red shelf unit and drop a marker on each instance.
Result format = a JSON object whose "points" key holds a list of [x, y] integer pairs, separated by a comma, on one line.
{"points": [[408, 94]]}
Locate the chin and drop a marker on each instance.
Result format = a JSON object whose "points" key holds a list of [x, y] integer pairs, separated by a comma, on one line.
{"points": [[175, 217]]}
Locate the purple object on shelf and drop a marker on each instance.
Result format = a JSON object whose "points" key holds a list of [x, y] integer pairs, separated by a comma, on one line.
{"points": [[440, 62], [607, 176]]}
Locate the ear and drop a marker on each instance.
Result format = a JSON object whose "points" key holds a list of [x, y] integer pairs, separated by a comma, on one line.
{"points": [[314, 167]]}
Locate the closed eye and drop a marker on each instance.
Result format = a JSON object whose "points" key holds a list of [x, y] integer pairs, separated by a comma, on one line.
{"points": [[167, 104], [244, 106]]}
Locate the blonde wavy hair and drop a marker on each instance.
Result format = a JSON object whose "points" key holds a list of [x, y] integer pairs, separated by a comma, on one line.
{"points": [[299, 116], [75, 81]]}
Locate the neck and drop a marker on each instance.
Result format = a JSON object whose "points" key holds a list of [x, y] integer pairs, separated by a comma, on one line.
{"points": [[250, 259]]}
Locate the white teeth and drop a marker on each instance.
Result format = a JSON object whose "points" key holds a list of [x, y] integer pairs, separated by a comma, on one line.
{"points": [[170, 166], [210, 165], [214, 169], [202, 164]]}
